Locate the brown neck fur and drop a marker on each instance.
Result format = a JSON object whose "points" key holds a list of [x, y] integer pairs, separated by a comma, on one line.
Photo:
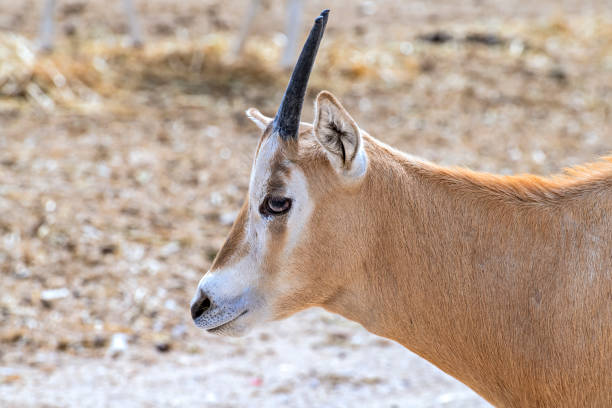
{"points": [[503, 282]]}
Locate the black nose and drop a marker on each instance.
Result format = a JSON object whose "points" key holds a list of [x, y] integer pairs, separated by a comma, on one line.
{"points": [[201, 305]]}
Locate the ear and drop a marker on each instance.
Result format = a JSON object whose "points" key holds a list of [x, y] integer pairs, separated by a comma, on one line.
{"points": [[340, 136], [261, 120]]}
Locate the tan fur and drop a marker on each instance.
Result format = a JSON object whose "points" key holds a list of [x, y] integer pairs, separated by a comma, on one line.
{"points": [[503, 282]]}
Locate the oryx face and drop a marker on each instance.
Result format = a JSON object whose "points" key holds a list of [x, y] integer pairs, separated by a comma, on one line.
{"points": [[267, 269], [253, 267]]}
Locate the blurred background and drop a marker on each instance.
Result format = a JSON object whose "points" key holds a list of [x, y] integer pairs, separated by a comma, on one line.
{"points": [[122, 169]]}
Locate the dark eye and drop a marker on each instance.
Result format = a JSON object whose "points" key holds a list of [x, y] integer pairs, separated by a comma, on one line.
{"points": [[275, 205]]}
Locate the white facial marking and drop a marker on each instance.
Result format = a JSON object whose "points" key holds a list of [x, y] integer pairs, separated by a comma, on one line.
{"points": [[233, 288], [261, 170], [230, 281], [297, 189]]}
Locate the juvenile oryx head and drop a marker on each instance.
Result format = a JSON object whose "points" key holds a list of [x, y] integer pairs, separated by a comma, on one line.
{"points": [[281, 254]]}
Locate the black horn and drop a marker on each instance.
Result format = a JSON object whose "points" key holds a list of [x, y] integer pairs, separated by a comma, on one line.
{"points": [[287, 120]]}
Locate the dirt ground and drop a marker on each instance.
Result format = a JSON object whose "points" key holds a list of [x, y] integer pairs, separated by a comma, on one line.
{"points": [[122, 170]]}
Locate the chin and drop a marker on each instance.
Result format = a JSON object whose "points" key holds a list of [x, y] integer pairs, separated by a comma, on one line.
{"points": [[231, 329]]}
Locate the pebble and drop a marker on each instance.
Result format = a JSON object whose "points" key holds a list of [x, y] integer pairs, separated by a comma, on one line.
{"points": [[436, 37], [118, 345], [170, 248], [367, 8], [163, 347], [485, 39], [178, 331], [228, 217], [54, 294]]}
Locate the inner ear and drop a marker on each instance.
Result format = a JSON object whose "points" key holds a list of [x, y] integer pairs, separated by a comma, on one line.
{"points": [[335, 134], [338, 133]]}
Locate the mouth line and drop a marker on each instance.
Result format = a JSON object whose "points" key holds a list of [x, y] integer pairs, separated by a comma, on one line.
{"points": [[222, 325]]}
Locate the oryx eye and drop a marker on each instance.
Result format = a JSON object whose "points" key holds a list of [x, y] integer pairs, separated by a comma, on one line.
{"points": [[272, 205]]}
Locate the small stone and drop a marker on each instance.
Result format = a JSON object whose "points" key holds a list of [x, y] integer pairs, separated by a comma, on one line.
{"points": [[99, 341], [212, 132], [118, 345], [216, 198], [517, 47], [228, 218], [134, 252], [436, 37], [367, 8], [558, 74], [170, 248], [314, 383], [170, 304], [538, 156], [62, 345], [54, 294], [22, 271], [406, 48], [50, 206], [484, 39], [163, 347], [178, 331], [225, 153], [108, 249]]}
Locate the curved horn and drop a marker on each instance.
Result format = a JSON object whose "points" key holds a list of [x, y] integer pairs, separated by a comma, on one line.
{"points": [[287, 120]]}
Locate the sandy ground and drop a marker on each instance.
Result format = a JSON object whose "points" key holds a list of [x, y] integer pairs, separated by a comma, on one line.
{"points": [[121, 172], [312, 360]]}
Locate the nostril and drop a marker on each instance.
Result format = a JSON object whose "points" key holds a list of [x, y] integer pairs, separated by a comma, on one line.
{"points": [[200, 306]]}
